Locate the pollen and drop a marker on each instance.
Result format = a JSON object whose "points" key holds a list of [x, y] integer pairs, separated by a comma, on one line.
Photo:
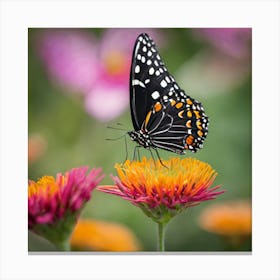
{"points": [[45, 185], [169, 183]]}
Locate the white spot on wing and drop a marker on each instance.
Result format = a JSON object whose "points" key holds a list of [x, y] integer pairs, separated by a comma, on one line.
{"points": [[136, 82], [155, 95], [151, 71], [137, 69], [163, 83]]}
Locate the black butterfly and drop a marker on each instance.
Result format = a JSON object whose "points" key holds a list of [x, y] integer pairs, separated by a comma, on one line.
{"points": [[163, 115]]}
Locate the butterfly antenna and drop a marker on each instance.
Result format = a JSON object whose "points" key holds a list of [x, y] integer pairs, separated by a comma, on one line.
{"points": [[113, 139], [116, 128]]}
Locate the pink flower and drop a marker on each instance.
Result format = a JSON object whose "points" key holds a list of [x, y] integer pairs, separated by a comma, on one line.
{"points": [[70, 57], [97, 69], [110, 96], [232, 41], [51, 201], [162, 191]]}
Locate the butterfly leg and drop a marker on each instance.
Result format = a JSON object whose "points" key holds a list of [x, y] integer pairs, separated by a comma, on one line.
{"points": [[160, 159], [152, 156], [126, 151], [136, 153]]}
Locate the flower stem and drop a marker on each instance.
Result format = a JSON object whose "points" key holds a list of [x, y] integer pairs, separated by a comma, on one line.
{"points": [[63, 245], [161, 237]]}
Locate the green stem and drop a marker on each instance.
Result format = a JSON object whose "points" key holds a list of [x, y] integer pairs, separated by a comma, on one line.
{"points": [[161, 237], [63, 245]]}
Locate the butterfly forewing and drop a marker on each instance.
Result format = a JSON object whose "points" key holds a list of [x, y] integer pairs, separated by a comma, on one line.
{"points": [[173, 120]]}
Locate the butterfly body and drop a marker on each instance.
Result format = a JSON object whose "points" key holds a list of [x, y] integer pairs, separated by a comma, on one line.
{"points": [[163, 115]]}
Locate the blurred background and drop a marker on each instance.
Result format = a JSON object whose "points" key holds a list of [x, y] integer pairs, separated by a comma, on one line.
{"points": [[78, 84]]}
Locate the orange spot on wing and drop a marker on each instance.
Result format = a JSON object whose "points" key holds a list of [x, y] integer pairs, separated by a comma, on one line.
{"points": [[180, 114], [200, 133], [198, 124], [189, 114], [173, 102], [197, 114], [189, 124], [157, 106], [189, 102], [189, 139], [179, 105]]}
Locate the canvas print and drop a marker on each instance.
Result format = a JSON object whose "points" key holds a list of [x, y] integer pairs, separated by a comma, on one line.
{"points": [[139, 140]]}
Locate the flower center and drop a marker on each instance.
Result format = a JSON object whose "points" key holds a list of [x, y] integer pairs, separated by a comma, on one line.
{"points": [[115, 63], [46, 185]]}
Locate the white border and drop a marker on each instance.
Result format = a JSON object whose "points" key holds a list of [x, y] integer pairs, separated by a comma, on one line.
{"points": [[17, 16]]}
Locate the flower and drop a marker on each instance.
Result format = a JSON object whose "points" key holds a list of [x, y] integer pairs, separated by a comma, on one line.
{"points": [[163, 190], [54, 204], [92, 235], [97, 68], [231, 41], [110, 95], [227, 55], [70, 57], [37, 146], [232, 218]]}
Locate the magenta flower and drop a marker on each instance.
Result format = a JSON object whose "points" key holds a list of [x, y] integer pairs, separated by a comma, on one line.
{"points": [[55, 204], [110, 96], [232, 41], [99, 69], [70, 57]]}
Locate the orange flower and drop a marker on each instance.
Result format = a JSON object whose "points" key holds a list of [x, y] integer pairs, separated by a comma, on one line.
{"points": [[233, 218], [92, 235], [162, 191]]}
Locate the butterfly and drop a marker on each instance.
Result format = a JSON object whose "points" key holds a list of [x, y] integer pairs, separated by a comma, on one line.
{"points": [[163, 115]]}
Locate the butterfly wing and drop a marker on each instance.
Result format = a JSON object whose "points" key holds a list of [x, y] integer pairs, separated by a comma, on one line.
{"points": [[177, 126], [146, 73], [174, 120]]}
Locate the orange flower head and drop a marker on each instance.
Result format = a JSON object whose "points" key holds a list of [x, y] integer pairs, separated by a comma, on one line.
{"points": [[232, 218], [92, 235], [163, 190]]}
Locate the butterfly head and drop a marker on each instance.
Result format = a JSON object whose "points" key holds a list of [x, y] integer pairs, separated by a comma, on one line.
{"points": [[141, 138]]}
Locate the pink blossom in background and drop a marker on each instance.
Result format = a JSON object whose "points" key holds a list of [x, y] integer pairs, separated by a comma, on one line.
{"points": [[98, 68], [232, 41], [70, 57], [110, 96]]}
